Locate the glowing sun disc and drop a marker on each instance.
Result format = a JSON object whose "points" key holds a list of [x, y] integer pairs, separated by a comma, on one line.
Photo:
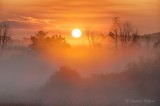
{"points": [[76, 33]]}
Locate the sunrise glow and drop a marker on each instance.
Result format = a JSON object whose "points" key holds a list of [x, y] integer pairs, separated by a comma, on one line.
{"points": [[76, 33], [79, 52]]}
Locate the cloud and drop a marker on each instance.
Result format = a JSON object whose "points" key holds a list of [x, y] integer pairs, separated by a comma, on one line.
{"points": [[76, 13], [18, 21]]}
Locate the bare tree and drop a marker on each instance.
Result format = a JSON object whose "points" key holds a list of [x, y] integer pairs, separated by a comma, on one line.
{"points": [[4, 35], [124, 33], [127, 34], [94, 37], [114, 29]]}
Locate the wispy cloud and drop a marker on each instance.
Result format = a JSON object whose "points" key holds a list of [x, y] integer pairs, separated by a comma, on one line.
{"points": [[65, 14], [27, 22]]}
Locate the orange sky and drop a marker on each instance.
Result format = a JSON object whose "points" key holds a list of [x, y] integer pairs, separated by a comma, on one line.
{"points": [[28, 16]]}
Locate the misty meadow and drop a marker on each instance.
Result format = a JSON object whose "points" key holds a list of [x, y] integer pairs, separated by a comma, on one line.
{"points": [[79, 53]]}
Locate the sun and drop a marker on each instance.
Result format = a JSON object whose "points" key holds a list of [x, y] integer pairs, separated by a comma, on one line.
{"points": [[76, 33]]}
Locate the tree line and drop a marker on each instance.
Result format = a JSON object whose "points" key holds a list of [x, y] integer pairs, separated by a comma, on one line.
{"points": [[123, 34], [140, 80]]}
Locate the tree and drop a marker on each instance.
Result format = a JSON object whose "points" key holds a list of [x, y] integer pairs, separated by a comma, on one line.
{"points": [[4, 35], [94, 37], [135, 38], [123, 32], [114, 29], [40, 41], [66, 73], [127, 34], [156, 44], [57, 41]]}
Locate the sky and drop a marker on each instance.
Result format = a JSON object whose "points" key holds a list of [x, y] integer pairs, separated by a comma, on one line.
{"points": [[60, 16]]}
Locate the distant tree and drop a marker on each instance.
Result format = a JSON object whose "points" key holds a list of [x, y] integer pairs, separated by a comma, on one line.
{"points": [[65, 77], [114, 30], [123, 32], [127, 34], [157, 44], [135, 38], [4, 35], [94, 37], [58, 41], [147, 40], [38, 39], [41, 40]]}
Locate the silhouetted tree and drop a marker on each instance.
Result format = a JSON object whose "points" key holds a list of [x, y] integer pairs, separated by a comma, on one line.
{"points": [[114, 29], [4, 35], [41, 40], [94, 37], [38, 39], [124, 33], [58, 41], [127, 34]]}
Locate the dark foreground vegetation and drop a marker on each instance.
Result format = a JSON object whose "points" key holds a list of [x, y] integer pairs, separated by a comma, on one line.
{"points": [[138, 85], [140, 82]]}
